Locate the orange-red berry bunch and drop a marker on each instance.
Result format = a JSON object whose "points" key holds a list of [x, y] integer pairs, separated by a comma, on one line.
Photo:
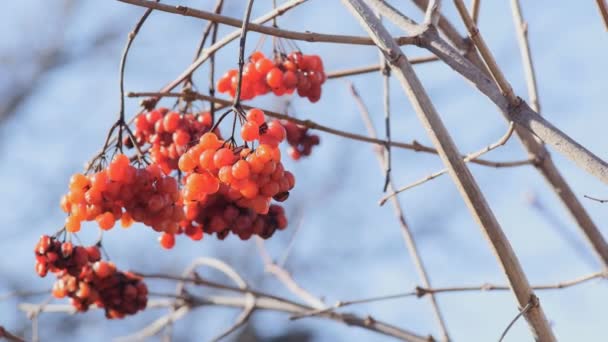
{"points": [[230, 189], [169, 134], [123, 192], [86, 279], [299, 139], [55, 256], [100, 283], [284, 75]]}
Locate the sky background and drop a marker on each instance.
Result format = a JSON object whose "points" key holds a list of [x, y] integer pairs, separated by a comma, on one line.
{"points": [[347, 247]]}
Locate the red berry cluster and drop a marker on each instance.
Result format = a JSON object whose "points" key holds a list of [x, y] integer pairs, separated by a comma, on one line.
{"points": [[169, 134], [83, 277], [119, 293], [299, 139], [284, 75], [54, 256], [230, 189], [123, 192]]}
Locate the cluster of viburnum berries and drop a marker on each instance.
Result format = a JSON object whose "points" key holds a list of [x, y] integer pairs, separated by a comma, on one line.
{"points": [[197, 184], [283, 75], [86, 279]]}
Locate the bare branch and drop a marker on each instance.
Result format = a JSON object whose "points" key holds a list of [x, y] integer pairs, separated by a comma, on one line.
{"points": [[414, 145], [5, 334], [284, 277], [533, 301], [269, 30], [503, 140], [521, 27], [406, 232], [432, 14], [603, 8], [536, 149], [451, 157], [475, 5], [375, 68]]}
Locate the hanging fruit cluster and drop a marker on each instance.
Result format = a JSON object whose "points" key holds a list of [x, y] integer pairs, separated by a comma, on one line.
{"points": [[197, 183], [86, 279], [283, 75], [123, 192], [230, 189], [299, 139], [169, 134]]}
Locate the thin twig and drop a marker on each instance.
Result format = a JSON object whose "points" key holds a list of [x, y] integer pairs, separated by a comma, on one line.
{"points": [[470, 70], [284, 277], [519, 314], [503, 140], [487, 56], [5, 334], [414, 145], [375, 68], [266, 302], [406, 232], [420, 292], [432, 14], [275, 32], [123, 62], [458, 170], [596, 199], [603, 8], [475, 5], [241, 61], [521, 27]]}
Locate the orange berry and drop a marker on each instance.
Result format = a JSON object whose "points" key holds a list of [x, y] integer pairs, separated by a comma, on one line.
{"points": [[126, 220], [263, 65], [223, 157], [78, 182], [167, 241], [106, 220], [103, 269], [256, 115], [264, 153], [249, 189], [274, 78], [171, 122], [276, 130], [250, 131], [203, 183], [181, 137], [240, 169], [72, 224], [210, 141], [225, 174], [256, 56], [186, 163]]}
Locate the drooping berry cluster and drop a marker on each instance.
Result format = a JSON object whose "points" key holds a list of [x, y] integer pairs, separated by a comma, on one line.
{"points": [[87, 280], [119, 293], [169, 134], [54, 256], [123, 192], [299, 139], [284, 75], [230, 189]]}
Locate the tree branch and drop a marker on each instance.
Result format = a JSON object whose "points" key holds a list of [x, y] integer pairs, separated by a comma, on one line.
{"points": [[458, 170], [535, 148], [414, 145], [406, 232], [269, 30]]}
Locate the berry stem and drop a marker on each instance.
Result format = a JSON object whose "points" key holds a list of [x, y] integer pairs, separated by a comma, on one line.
{"points": [[243, 40], [123, 62]]}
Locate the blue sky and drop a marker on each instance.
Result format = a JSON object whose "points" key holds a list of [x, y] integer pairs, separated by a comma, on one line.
{"points": [[347, 247]]}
